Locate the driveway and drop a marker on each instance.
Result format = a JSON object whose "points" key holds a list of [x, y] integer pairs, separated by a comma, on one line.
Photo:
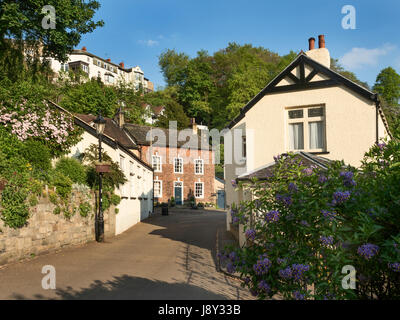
{"points": [[163, 257]]}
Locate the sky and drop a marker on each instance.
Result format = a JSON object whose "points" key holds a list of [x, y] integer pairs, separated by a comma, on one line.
{"points": [[138, 31]]}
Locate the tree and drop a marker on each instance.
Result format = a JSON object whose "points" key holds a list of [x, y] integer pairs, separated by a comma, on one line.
{"points": [[172, 65], [335, 66], [91, 97], [22, 20], [173, 112], [387, 84]]}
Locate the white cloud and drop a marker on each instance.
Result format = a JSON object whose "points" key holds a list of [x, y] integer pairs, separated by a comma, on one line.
{"points": [[361, 57], [149, 43]]}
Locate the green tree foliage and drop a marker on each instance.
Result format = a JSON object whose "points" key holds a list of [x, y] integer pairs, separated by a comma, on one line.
{"points": [[91, 97], [72, 168], [336, 66], [21, 20], [387, 84], [213, 88]]}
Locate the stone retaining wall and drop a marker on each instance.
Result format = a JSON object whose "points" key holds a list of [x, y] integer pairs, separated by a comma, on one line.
{"points": [[47, 232]]}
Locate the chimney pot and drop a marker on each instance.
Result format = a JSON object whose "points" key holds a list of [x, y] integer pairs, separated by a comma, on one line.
{"points": [[83, 48], [108, 60], [311, 43], [122, 65], [321, 41]]}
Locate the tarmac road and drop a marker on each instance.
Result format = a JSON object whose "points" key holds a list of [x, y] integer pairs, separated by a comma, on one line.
{"points": [[163, 257]]}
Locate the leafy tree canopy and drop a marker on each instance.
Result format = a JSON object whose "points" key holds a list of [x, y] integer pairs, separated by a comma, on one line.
{"points": [[388, 86]]}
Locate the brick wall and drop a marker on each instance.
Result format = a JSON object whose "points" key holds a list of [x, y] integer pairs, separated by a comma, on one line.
{"points": [[47, 232], [188, 177]]}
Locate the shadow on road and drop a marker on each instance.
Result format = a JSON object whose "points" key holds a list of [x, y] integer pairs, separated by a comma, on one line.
{"points": [[131, 288], [192, 227]]}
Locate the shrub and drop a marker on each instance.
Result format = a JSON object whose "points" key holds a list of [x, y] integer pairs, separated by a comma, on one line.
{"points": [[305, 224], [73, 169], [38, 155], [63, 184]]}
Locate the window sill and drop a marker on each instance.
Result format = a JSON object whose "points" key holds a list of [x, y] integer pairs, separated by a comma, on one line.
{"points": [[318, 152]]}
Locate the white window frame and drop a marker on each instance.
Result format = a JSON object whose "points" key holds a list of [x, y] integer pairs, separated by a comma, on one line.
{"points": [[181, 161], [155, 156], [202, 166], [305, 121], [202, 190], [160, 193]]}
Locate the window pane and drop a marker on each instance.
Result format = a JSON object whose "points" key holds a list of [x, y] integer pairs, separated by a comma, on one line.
{"points": [[316, 130], [295, 114], [315, 112], [296, 136]]}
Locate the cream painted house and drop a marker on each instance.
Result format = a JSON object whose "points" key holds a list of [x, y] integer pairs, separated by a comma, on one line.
{"points": [[309, 108], [137, 193]]}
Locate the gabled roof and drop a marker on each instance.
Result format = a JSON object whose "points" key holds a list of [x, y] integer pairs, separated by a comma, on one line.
{"points": [[262, 173], [305, 83], [113, 136]]}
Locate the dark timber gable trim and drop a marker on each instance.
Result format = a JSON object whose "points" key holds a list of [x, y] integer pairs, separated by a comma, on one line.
{"points": [[303, 83]]}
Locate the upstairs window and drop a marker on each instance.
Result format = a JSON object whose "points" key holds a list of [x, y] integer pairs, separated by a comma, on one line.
{"points": [[156, 162], [198, 166], [306, 129], [178, 165]]}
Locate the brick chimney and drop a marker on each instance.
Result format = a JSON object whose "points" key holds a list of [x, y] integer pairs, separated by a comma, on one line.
{"points": [[120, 117], [321, 41], [320, 54], [84, 49], [122, 65], [311, 43], [193, 125]]}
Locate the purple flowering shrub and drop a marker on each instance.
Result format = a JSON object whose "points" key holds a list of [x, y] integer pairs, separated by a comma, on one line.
{"points": [[305, 224]]}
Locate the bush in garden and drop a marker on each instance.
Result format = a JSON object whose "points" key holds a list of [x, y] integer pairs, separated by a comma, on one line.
{"points": [[305, 224], [38, 155], [63, 184], [73, 169]]}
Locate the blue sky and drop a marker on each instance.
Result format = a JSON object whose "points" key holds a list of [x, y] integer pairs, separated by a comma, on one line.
{"points": [[137, 31]]}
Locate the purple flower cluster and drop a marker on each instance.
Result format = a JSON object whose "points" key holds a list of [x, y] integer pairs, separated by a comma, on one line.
{"points": [[368, 250], [298, 296], [340, 197], [234, 184], [250, 234], [298, 271], [262, 266], [381, 145], [281, 260], [292, 187], [348, 178], [263, 285], [272, 216], [322, 179], [304, 223], [286, 273], [307, 171], [230, 267], [286, 200], [326, 241], [395, 266], [277, 158], [329, 215]]}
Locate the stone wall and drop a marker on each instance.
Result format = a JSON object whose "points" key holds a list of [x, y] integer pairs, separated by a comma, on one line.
{"points": [[47, 232]]}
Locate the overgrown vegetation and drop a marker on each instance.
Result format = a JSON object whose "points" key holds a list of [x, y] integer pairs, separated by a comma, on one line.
{"points": [[305, 224]]}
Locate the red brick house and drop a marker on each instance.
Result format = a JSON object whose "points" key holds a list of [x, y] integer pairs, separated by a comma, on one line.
{"points": [[183, 162]]}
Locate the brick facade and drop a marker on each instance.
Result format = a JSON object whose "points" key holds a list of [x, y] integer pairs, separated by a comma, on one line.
{"points": [[188, 177]]}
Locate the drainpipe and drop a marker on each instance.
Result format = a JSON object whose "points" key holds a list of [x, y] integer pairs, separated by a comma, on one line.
{"points": [[377, 120]]}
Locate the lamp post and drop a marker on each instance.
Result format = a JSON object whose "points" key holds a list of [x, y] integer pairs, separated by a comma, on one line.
{"points": [[100, 124]]}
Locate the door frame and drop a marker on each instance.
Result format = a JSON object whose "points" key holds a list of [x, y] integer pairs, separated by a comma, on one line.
{"points": [[181, 186]]}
